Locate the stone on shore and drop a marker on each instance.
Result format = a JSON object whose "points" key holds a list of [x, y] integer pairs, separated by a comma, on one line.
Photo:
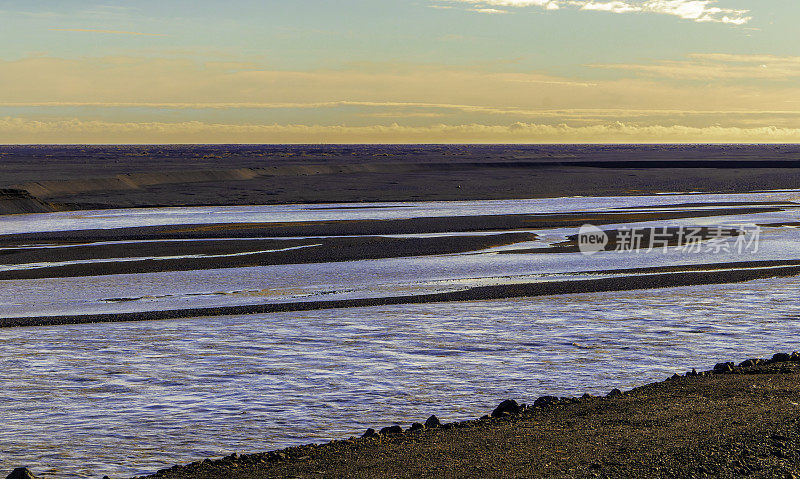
{"points": [[614, 393], [781, 357], [392, 430], [21, 473], [416, 427], [545, 401], [506, 408], [433, 422], [723, 367]]}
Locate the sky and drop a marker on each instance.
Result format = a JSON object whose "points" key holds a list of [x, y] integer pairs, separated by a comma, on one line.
{"points": [[399, 71]]}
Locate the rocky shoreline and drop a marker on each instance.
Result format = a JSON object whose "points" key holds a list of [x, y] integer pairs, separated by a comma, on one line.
{"points": [[731, 421]]}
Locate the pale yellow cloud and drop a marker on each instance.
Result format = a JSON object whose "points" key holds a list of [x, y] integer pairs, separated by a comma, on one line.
{"points": [[443, 109], [21, 131], [111, 32], [141, 81], [718, 67], [421, 94]]}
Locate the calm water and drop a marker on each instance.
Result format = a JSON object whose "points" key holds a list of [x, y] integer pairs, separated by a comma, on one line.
{"points": [[130, 398]]}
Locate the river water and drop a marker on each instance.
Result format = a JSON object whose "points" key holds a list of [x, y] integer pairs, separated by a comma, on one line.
{"points": [[129, 398]]}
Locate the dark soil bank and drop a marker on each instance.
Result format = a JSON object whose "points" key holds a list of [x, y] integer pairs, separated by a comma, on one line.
{"points": [[737, 421], [56, 177]]}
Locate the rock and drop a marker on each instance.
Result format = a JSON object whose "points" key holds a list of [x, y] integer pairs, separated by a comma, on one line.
{"points": [[545, 401], [614, 393], [507, 407], [21, 473], [416, 427], [392, 430], [433, 422], [723, 367], [370, 433], [795, 357], [484, 417], [692, 373], [587, 396], [781, 357]]}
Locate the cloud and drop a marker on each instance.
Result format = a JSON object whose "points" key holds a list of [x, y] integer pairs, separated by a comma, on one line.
{"points": [[20, 131], [488, 10], [131, 90], [111, 32], [614, 7], [695, 10], [715, 66]]}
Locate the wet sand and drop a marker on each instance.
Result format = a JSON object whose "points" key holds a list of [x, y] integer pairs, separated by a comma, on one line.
{"points": [[734, 421]]}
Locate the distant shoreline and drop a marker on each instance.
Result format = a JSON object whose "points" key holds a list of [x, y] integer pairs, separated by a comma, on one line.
{"points": [[60, 178]]}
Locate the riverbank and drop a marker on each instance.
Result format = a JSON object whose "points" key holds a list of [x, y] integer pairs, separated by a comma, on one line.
{"points": [[733, 421]]}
